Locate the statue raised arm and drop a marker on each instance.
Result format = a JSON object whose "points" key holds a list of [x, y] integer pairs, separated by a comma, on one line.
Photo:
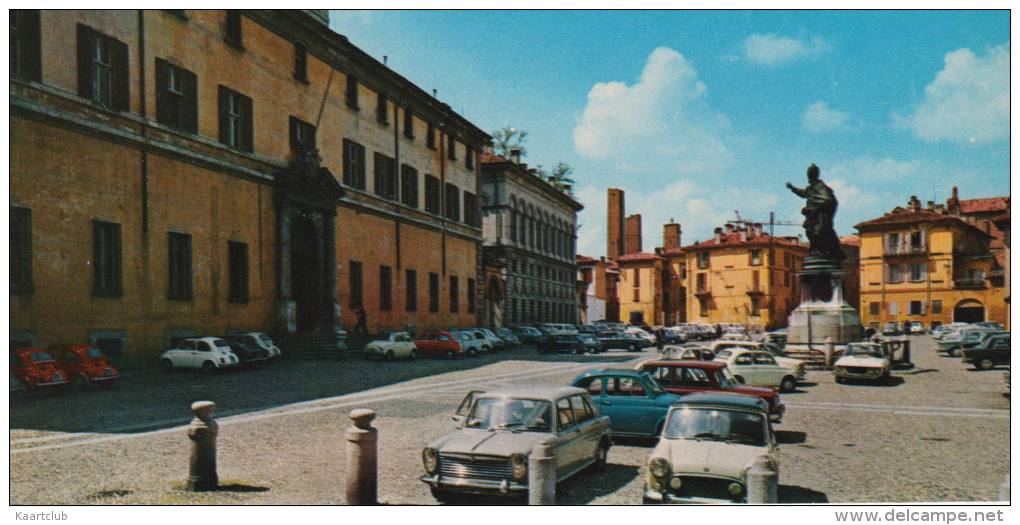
{"points": [[819, 211]]}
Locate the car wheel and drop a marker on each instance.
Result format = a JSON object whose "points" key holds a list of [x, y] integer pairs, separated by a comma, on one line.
{"points": [[985, 363], [208, 367], [451, 354], [839, 380], [389, 355], [79, 382], [166, 365], [593, 350], [789, 384], [441, 495], [955, 352], [413, 354], [472, 352], [601, 456]]}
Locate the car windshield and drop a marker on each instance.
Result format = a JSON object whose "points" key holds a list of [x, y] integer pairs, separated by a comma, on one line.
{"points": [[501, 413], [725, 378], [265, 339], [723, 354], [41, 357], [863, 350], [220, 343], [653, 387], [586, 337], [95, 353], [716, 425]]}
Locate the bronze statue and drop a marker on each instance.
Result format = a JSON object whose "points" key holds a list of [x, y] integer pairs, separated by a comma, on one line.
{"points": [[818, 214]]}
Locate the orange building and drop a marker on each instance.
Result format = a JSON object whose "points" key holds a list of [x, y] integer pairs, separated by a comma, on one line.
{"points": [[176, 173]]}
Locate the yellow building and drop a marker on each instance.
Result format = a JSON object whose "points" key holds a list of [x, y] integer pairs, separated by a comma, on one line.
{"points": [[928, 265], [177, 173], [743, 276], [639, 288]]}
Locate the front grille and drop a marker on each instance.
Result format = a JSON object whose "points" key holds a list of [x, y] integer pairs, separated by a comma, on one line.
{"points": [[859, 370], [702, 487], [465, 468]]}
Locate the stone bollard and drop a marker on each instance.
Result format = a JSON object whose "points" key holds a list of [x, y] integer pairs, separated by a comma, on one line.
{"points": [[202, 432], [906, 352], [762, 483], [362, 472], [541, 476], [1004, 489], [829, 349]]}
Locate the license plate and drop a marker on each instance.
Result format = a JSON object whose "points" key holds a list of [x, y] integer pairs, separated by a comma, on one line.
{"points": [[108, 372], [56, 378]]}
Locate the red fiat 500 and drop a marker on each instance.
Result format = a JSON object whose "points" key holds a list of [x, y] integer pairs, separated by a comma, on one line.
{"points": [[35, 368], [84, 365], [438, 343]]}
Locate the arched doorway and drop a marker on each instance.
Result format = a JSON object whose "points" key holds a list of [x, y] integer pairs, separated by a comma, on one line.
{"points": [[969, 311], [305, 268]]}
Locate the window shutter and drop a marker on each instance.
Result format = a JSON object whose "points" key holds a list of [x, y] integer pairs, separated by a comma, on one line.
{"points": [[223, 94], [32, 61], [162, 107], [247, 127], [190, 109], [86, 40], [115, 263], [293, 133], [119, 56]]}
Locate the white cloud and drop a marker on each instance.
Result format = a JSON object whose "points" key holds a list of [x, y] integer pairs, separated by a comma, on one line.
{"points": [[967, 102], [662, 121], [772, 50], [872, 169], [820, 117]]}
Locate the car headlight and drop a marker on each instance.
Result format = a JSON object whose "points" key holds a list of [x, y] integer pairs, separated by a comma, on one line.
{"points": [[675, 483], [430, 460], [735, 489], [659, 467], [518, 467]]}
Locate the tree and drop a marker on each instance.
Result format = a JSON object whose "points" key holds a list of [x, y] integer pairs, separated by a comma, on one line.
{"points": [[509, 138], [560, 177]]}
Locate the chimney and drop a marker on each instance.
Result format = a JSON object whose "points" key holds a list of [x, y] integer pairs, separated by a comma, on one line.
{"points": [[515, 155], [729, 227], [671, 236], [632, 234], [718, 235], [930, 205], [757, 229], [614, 227], [743, 235], [915, 203]]}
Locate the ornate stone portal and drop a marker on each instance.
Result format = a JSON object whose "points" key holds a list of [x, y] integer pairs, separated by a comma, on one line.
{"points": [[822, 312]]}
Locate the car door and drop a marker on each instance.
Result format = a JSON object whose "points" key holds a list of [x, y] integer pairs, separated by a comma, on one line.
{"points": [[185, 354], [569, 433], [999, 347], [628, 405], [588, 438], [202, 352], [769, 371]]}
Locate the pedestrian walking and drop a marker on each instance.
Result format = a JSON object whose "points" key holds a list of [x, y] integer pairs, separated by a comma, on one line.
{"points": [[362, 325], [660, 338]]}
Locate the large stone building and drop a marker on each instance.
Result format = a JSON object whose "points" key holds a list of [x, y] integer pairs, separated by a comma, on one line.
{"points": [[934, 264], [530, 231], [744, 276], [193, 172]]}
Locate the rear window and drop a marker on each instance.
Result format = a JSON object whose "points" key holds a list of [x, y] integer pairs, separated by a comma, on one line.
{"points": [[265, 339], [723, 354], [220, 343], [95, 353], [41, 357]]}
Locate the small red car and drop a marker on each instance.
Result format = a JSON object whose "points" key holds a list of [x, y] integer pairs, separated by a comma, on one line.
{"points": [[35, 368], [687, 377], [439, 343], [85, 365]]}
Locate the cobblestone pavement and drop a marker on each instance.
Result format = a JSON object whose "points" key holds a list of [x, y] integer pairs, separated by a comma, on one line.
{"points": [[940, 432]]}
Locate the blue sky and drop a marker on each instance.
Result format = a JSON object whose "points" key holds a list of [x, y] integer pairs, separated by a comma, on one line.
{"points": [[699, 113]]}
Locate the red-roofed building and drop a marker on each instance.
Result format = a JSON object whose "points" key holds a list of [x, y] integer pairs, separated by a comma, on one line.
{"points": [[597, 280]]}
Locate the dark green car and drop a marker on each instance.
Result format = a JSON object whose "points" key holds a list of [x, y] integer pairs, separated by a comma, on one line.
{"points": [[992, 350]]}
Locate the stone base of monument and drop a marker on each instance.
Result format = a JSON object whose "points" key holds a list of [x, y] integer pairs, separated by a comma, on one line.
{"points": [[822, 313]]}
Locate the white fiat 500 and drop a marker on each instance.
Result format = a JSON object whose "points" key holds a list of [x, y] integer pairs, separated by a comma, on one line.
{"points": [[757, 368], [395, 345], [708, 443], [862, 361], [207, 353], [778, 354], [263, 341]]}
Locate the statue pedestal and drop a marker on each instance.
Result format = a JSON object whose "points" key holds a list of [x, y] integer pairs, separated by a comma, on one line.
{"points": [[822, 313]]}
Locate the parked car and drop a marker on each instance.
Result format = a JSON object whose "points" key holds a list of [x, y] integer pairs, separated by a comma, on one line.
{"points": [[84, 365], [395, 345], [776, 337], [941, 331], [646, 338], [262, 340], [953, 343], [990, 325], [508, 336], [247, 352], [862, 361], [757, 368], [207, 353], [590, 342], [439, 343], [890, 329], [482, 341], [634, 402], [706, 448], [992, 350], [35, 368], [673, 336], [797, 365], [610, 340], [528, 335], [495, 342], [915, 328], [688, 377], [559, 343], [473, 345], [488, 453], [687, 352]]}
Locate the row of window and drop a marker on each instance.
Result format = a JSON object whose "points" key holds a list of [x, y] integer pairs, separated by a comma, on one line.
{"points": [[107, 254], [913, 307], [538, 235], [386, 186], [356, 287], [531, 310], [898, 273], [519, 267]]}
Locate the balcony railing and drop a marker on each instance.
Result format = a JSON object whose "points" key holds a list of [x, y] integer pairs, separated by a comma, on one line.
{"points": [[969, 282], [905, 250]]}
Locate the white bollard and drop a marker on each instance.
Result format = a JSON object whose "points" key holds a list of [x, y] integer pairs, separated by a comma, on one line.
{"points": [[762, 484], [829, 349], [541, 476], [362, 470]]}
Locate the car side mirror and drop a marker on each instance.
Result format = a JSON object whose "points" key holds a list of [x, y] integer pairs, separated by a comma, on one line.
{"points": [[459, 419]]}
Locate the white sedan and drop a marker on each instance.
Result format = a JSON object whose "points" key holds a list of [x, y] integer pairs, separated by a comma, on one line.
{"points": [[757, 368], [863, 361], [396, 344], [794, 364], [207, 353]]}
